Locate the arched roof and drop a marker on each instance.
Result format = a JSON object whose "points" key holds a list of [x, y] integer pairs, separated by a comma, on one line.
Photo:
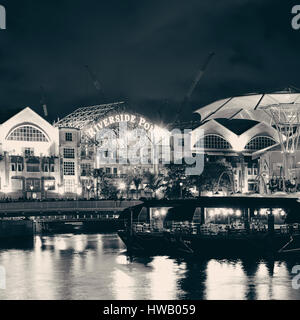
{"points": [[247, 106], [238, 140]]}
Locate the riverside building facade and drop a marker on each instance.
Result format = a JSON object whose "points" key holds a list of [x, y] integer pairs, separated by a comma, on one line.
{"points": [[251, 134], [39, 160], [78, 156]]}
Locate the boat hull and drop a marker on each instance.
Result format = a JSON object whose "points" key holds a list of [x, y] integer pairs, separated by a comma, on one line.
{"points": [[263, 244], [152, 243]]}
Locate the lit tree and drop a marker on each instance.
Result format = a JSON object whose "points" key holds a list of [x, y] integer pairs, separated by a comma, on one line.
{"points": [[208, 180], [137, 180], [109, 190], [154, 182]]}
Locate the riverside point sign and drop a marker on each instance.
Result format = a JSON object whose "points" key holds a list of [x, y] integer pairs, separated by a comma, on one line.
{"points": [[121, 118]]}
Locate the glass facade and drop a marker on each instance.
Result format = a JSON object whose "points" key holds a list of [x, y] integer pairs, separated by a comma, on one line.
{"points": [[27, 133], [212, 141], [259, 143]]}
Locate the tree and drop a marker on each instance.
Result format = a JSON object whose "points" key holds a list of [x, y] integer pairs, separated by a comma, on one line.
{"points": [[177, 183], [109, 190], [99, 175], [154, 182], [137, 180], [208, 180]]}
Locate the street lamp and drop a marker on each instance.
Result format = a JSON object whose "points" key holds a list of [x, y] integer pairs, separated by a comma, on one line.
{"points": [[31, 190], [88, 189], [181, 184], [46, 189]]}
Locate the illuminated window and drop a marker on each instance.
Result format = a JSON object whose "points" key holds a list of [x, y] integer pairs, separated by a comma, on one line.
{"points": [[212, 141], [69, 153], [86, 169], [69, 168], [27, 133], [16, 184], [49, 185], [259, 143], [29, 152], [33, 184], [69, 186]]}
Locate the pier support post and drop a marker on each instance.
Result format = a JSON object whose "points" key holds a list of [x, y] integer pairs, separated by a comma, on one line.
{"points": [[271, 222], [202, 216], [247, 219]]}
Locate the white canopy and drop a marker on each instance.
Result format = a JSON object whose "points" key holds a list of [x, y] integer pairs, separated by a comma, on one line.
{"points": [[247, 106]]}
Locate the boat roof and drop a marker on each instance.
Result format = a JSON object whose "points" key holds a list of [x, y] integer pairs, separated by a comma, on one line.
{"points": [[183, 209]]}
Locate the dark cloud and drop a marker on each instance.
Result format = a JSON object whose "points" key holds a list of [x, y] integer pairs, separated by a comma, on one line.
{"points": [[146, 52]]}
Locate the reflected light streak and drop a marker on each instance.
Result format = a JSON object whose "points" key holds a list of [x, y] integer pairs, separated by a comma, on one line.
{"points": [[225, 281], [123, 285], [163, 279]]}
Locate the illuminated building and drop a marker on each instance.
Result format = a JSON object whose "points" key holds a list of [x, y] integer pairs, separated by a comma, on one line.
{"points": [[238, 132], [68, 159], [29, 163], [97, 162]]}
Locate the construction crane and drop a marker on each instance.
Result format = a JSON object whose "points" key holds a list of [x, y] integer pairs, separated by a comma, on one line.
{"points": [[43, 102], [196, 81], [94, 79]]}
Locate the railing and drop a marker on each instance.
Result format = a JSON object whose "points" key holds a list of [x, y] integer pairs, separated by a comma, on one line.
{"points": [[67, 205], [211, 229]]}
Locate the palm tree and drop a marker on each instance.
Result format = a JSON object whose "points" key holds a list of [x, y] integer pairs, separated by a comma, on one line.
{"points": [[154, 182], [137, 180], [128, 181], [98, 174]]}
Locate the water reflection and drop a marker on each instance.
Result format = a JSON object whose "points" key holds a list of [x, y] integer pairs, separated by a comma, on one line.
{"points": [[96, 266]]}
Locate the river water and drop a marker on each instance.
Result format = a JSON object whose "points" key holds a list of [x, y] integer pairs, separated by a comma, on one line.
{"points": [[96, 266]]}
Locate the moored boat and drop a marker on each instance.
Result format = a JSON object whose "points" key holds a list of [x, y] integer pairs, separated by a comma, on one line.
{"points": [[214, 225]]}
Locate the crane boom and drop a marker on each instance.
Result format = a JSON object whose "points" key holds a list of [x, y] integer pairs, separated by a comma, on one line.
{"points": [[43, 103], [94, 79], [199, 76]]}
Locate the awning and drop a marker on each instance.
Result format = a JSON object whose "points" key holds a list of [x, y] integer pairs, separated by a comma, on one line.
{"points": [[48, 178], [18, 177]]}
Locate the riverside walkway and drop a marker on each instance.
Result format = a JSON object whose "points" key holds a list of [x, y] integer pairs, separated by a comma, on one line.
{"points": [[60, 208]]}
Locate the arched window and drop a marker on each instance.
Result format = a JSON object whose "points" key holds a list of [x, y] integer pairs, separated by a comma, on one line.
{"points": [[261, 142], [27, 133], [212, 141]]}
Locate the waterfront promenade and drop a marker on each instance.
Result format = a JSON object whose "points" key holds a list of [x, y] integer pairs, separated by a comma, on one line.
{"points": [[38, 208], [18, 219]]}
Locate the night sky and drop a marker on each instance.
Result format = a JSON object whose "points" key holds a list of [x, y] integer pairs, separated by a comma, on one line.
{"points": [[144, 52]]}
